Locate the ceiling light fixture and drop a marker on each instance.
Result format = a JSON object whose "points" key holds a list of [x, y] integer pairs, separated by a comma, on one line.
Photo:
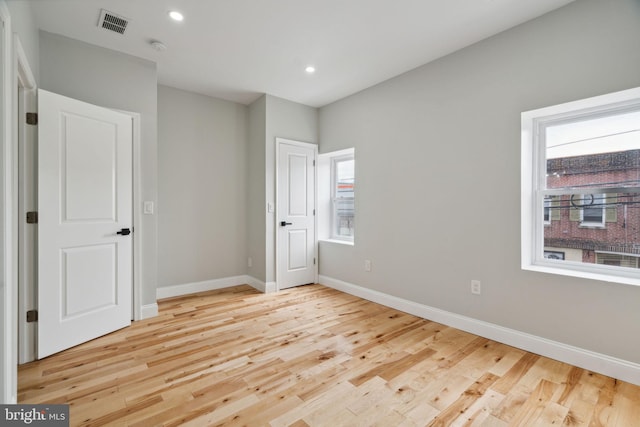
{"points": [[310, 69], [176, 16]]}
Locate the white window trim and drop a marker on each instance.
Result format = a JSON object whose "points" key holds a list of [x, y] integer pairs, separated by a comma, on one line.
{"points": [[533, 181], [339, 242]]}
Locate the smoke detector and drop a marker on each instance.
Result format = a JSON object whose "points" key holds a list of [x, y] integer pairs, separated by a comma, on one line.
{"points": [[158, 45], [112, 22]]}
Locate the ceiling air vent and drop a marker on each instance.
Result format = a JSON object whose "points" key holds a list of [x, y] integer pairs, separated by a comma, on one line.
{"points": [[112, 22]]}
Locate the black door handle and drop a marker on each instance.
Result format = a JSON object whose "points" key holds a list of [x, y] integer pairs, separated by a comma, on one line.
{"points": [[284, 223], [124, 232]]}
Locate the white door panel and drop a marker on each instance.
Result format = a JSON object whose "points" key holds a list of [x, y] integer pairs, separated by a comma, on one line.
{"points": [[298, 256], [94, 198], [296, 165], [296, 219], [84, 199], [79, 299]]}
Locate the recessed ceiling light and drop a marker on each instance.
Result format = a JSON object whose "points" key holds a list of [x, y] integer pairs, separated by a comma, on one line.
{"points": [[176, 16], [310, 69]]}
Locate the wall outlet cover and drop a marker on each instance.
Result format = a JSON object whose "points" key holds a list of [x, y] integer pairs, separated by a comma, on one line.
{"points": [[476, 287]]}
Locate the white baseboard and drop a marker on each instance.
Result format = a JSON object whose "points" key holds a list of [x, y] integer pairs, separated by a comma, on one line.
{"points": [[266, 288], [255, 283], [586, 359], [210, 285], [148, 310], [270, 288]]}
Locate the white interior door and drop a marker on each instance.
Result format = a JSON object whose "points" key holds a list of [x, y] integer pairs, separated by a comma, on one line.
{"points": [[296, 248], [84, 199]]}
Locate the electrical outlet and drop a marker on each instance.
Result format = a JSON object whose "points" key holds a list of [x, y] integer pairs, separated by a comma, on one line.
{"points": [[367, 265], [476, 287]]}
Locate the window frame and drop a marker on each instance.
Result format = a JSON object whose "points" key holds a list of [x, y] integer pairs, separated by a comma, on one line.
{"points": [[534, 190], [335, 199], [326, 194]]}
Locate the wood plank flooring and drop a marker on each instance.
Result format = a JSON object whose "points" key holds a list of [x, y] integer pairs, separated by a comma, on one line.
{"points": [[313, 356]]}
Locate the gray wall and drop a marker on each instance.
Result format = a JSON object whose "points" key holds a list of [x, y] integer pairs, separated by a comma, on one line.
{"points": [[270, 117], [256, 201], [438, 176], [23, 23], [202, 170], [115, 80], [289, 120]]}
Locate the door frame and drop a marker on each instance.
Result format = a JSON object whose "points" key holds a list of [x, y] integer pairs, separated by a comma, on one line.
{"points": [[137, 206], [25, 100], [314, 147], [8, 265]]}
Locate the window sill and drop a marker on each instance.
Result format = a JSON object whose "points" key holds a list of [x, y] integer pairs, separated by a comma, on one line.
{"points": [[340, 242], [630, 278]]}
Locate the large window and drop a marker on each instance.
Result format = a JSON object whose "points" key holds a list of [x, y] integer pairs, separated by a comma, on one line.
{"points": [[581, 188]]}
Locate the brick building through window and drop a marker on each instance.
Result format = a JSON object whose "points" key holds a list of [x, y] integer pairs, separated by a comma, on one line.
{"points": [[601, 228]]}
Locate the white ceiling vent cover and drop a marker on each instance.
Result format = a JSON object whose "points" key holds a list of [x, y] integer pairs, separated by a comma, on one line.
{"points": [[113, 22]]}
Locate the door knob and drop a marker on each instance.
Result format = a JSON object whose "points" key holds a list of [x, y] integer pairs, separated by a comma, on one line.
{"points": [[124, 232], [284, 223]]}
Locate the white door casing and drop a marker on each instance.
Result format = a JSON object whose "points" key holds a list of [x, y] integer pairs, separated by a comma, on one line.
{"points": [[27, 233], [85, 176], [26, 101], [296, 242], [8, 370]]}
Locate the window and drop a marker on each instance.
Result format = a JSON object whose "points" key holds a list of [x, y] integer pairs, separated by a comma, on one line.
{"points": [[336, 196], [551, 209], [620, 260], [592, 210], [581, 188], [554, 255], [343, 201], [547, 210]]}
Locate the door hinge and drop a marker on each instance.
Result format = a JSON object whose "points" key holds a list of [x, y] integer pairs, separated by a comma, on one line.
{"points": [[32, 316], [314, 163], [314, 261], [32, 118], [314, 212], [32, 217]]}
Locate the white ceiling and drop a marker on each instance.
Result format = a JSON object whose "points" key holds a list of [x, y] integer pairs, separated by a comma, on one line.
{"points": [[240, 49]]}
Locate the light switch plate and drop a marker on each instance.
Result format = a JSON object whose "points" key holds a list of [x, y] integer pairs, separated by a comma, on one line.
{"points": [[148, 208]]}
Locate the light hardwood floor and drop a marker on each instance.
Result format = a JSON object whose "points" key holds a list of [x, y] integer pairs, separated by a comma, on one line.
{"points": [[313, 356]]}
